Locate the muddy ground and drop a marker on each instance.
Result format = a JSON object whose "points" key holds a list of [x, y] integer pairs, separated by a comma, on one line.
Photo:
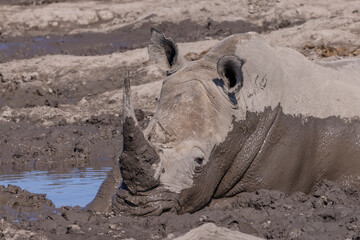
{"points": [[61, 70], [331, 212]]}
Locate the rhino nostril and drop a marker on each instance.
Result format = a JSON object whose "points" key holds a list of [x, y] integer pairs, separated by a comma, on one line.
{"points": [[123, 186], [163, 170]]}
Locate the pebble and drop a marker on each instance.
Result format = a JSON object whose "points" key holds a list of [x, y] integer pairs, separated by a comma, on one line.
{"points": [[74, 229], [112, 226]]}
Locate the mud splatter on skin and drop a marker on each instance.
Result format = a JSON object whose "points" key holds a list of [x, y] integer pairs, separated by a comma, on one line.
{"points": [[246, 135], [273, 150], [137, 159]]}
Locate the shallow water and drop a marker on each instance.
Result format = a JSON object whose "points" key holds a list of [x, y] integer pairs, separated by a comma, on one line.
{"points": [[76, 187]]}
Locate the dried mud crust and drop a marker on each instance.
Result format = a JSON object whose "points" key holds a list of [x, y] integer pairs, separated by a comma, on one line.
{"points": [[331, 212]]}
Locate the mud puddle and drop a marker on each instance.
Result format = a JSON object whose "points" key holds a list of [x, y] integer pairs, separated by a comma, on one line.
{"points": [[125, 38], [76, 187]]}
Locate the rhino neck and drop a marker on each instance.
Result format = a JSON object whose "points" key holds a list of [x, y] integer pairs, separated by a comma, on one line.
{"points": [[246, 151], [299, 152]]}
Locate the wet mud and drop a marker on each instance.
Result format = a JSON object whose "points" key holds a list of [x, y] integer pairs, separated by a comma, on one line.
{"points": [[95, 142], [330, 212], [17, 204], [26, 146], [122, 39]]}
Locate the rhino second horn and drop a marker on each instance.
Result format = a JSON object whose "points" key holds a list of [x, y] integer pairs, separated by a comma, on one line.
{"points": [[138, 156]]}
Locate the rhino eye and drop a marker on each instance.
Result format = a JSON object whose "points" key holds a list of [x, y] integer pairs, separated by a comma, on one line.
{"points": [[199, 160]]}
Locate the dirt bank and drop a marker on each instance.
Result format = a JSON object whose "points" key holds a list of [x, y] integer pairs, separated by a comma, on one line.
{"points": [[331, 212]]}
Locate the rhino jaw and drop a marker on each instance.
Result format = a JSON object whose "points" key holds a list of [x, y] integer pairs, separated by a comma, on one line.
{"points": [[138, 156]]}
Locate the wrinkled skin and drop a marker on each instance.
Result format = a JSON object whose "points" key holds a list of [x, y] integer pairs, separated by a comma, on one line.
{"points": [[245, 116]]}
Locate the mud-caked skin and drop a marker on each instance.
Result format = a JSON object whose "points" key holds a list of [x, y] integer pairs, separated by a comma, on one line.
{"points": [[245, 116]]}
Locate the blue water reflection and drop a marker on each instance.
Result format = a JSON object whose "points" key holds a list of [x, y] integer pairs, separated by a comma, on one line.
{"points": [[76, 187]]}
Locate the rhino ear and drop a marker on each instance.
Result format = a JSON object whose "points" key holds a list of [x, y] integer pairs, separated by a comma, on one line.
{"points": [[164, 51], [229, 68]]}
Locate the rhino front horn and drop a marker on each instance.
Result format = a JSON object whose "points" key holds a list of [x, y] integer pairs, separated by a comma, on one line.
{"points": [[138, 156]]}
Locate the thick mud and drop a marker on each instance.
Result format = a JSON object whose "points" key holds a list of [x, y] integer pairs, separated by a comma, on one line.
{"points": [[122, 39], [17, 204], [96, 142], [26, 146], [330, 212]]}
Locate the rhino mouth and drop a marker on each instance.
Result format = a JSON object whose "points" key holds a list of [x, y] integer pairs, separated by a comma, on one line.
{"points": [[152, 202]]}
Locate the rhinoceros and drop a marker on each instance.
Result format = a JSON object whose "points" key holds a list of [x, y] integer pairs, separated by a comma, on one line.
{"points": [[246, 116]]}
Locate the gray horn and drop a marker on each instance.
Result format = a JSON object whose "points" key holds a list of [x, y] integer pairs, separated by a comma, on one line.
{"points": [[138, 156]]}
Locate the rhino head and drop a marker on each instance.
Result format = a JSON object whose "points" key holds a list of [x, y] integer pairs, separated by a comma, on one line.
{"points": [[173, 165]]}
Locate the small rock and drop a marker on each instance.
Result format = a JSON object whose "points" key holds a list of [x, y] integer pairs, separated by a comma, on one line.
{"points": [[324, 199], [287, 206], [266, 224], [105, 15], [74, 229], [351, 226], [112, 226], [170, 236]]}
